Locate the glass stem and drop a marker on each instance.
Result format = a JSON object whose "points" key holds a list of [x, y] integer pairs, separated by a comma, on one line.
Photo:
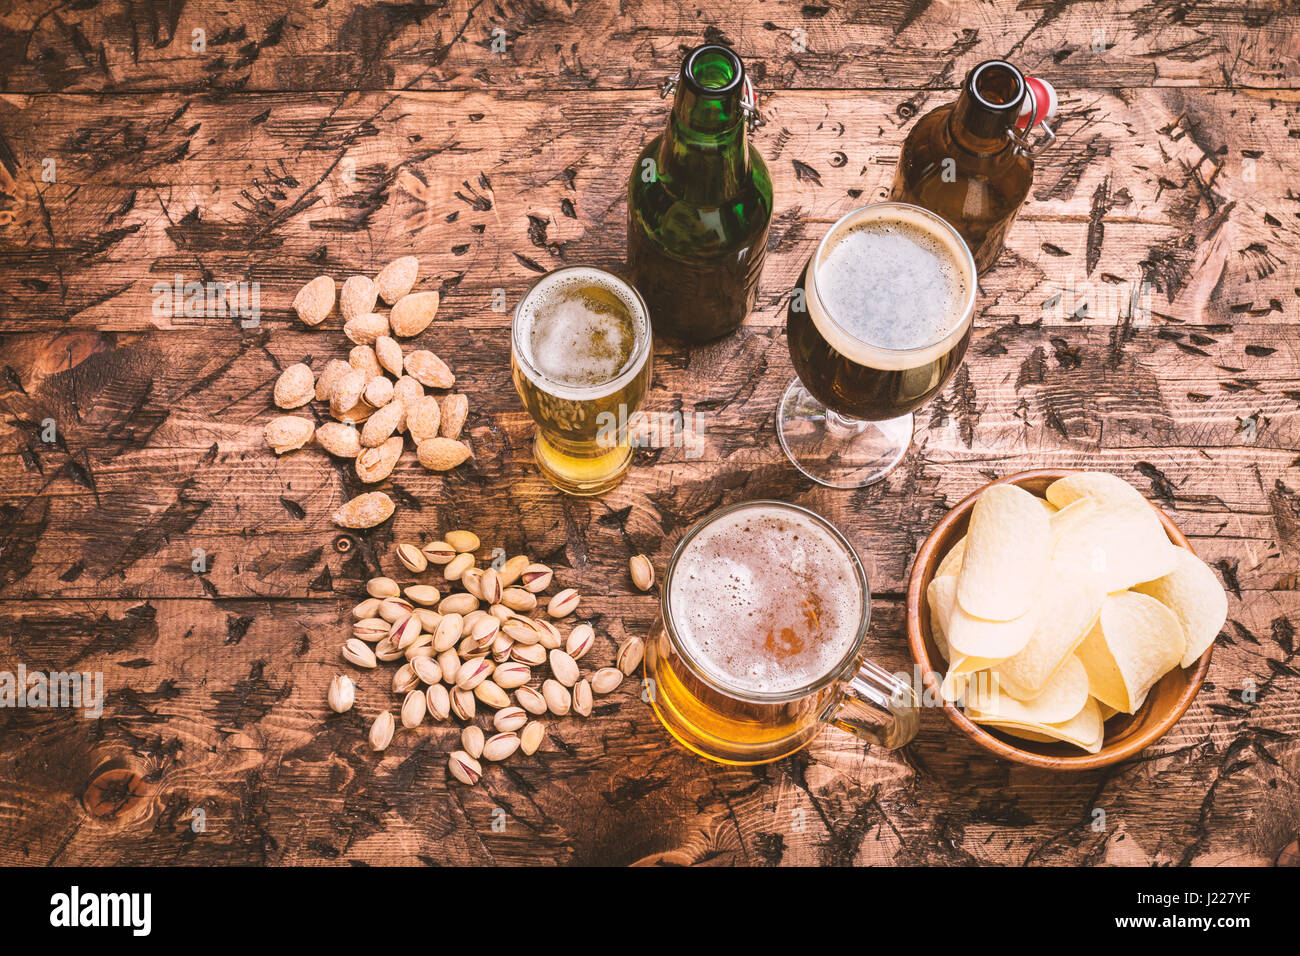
{"points": [[843, 424]]}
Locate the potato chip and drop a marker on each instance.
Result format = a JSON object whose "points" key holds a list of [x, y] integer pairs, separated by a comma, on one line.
{"points": [[1091, 484], [953, 687], [1064, 696], [942, 596], [951, 563], [961, 669], [1066, 518], [1107, 605], [1067, 609], [1121, 542], [1197, 599], [1007, 548], [1085, 729], [971, 636], [1134, 643], [963, 664], [1141, 699]]}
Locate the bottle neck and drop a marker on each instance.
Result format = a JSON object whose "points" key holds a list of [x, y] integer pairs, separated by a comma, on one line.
{"points": [[972, 132], [704, 154], [987, 108]]}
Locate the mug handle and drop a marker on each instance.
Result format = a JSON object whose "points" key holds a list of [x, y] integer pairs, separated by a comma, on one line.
{"points": [[878, 707]]}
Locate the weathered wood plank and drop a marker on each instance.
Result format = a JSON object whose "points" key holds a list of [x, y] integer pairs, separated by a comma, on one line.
{"points": [[494, 168], [189, 414], [563, 44], [220, 706], [489, 190]]}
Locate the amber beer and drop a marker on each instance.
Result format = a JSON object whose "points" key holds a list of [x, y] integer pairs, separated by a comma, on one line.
{"points": [[764, 612], [876, 326], [581, 362]]}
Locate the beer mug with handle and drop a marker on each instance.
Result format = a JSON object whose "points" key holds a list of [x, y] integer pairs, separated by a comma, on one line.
{"points": [[763, 617]]}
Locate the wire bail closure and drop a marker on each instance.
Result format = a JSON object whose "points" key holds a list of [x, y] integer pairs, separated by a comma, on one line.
{"points": [[1024, 143], [749, 106], [748, 101]]}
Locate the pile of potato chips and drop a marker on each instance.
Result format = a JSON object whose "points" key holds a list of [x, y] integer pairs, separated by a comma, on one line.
{"points": [[1054, 614]]}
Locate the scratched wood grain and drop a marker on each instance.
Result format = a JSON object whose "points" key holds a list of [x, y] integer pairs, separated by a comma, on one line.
{"points": [[218, 706], [331, 138], [1188, 190], [245, 45]]}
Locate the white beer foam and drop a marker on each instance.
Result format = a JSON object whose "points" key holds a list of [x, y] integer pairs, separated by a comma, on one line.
{"points": [[749, 576], [924, 327], [577, 352]]}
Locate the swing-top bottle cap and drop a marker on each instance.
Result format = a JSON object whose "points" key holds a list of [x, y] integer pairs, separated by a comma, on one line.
{"points": [[714, 73], [1039, 104]]}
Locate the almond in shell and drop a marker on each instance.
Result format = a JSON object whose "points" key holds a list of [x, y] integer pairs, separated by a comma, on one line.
{"points": [[295, 387], [334, 370], [288, 433], [423, 418], [442, 454], [365, 511], [379, 391], [381, 425], [409, 391], [348, 390], [455, 408], [364, 329], [315, 300], [429, 370], [397, 278], [376, 464], [389, 354], [412, 313], [355, 415], [363, 357], [357, 297]]}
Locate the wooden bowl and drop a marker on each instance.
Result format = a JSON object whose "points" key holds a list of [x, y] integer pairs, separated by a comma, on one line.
{"points": [[1125, 735]]}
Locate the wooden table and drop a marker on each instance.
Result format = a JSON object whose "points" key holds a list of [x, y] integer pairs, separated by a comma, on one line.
{"points": [[494, 142]]}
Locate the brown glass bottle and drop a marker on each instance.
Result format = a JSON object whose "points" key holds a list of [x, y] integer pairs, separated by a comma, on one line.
{"points": [[962, 162]]}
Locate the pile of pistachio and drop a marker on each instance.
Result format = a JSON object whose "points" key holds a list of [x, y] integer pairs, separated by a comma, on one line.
{"points": [[485, 650]]}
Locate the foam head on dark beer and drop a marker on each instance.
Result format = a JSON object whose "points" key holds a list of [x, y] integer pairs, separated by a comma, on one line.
{"points": [[891, 279]]}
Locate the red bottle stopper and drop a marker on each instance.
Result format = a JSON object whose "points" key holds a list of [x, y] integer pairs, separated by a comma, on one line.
{"points": [[1039, 105]]}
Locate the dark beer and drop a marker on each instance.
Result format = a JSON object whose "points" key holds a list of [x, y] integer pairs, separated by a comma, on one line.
{"points": [[884, 333], [876, 326]]}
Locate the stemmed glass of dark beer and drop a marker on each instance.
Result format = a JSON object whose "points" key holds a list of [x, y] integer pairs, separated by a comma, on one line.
{"points": [[877, 324]]}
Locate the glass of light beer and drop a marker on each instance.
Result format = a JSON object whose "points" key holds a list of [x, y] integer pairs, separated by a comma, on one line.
{"points": [[876, 325], [759, 642], [581, 362]]}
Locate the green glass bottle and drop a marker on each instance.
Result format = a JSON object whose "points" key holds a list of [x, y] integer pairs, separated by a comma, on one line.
{"points": [[699, 204]]}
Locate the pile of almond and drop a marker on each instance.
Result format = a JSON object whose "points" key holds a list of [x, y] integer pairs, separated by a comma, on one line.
{"points": [[463, 652], [379, 392]]}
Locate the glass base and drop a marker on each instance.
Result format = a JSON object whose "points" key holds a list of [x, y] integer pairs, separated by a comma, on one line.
{"points": [[836, 451], [582, 476]]}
